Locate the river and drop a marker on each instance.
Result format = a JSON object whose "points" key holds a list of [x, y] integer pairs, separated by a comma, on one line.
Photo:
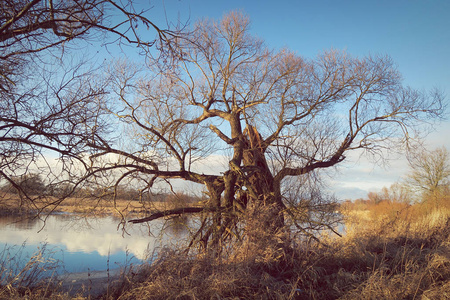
{"points": [[77, 244]]}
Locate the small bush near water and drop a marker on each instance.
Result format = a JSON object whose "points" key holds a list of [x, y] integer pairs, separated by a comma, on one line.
{"points": [[400, 255]]}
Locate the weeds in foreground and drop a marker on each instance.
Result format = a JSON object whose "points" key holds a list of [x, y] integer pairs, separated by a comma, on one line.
{"points": [[404, 255], [393, 258], [32, 279]]}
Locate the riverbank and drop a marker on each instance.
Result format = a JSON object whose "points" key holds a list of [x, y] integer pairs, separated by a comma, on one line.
{"points": [[11, 204], [390, 254], [83, 285]]}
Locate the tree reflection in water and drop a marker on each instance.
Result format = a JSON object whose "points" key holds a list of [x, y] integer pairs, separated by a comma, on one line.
{"points": [[92, 243]]}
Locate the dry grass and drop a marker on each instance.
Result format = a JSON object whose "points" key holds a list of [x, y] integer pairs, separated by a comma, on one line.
{"points": [[34, 280], [393, 254], [11, 204], [397, 258]]}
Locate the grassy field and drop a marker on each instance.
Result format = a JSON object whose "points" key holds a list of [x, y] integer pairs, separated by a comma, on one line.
{"points": [[11, 204], [389, 251]]}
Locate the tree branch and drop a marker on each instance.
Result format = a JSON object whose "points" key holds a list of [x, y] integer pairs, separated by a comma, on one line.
{"points": [[176, 211]]}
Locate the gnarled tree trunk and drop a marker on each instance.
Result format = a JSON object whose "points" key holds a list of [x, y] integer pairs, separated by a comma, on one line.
{"points": [[261, 191]]}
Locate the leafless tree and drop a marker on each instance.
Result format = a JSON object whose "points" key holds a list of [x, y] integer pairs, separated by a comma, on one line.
{"points": [[50, 98], [33, 26], [430, 173], [396, 193], [279, 115]]}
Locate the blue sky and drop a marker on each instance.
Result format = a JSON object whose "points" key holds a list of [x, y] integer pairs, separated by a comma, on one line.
{"points": [[416, 34]]}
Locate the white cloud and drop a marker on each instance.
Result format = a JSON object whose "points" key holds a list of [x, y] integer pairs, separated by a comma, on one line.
{"points": [[102, 237], [360, 175], [213, 164]]}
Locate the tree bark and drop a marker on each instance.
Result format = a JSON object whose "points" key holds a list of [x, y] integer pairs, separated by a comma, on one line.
{"points": [[260, 182]]}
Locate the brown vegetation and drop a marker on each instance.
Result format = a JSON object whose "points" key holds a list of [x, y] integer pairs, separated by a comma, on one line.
{"points": [[85, 205], [398, 254], [394, 252]]}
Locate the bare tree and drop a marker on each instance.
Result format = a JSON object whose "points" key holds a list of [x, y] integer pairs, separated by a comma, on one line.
{"points": [[430, 173], [33, 26], [279, 115], [50, 98], [396, 193]]}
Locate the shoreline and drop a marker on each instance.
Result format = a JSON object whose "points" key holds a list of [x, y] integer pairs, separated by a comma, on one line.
{"points": [[10, 204]]}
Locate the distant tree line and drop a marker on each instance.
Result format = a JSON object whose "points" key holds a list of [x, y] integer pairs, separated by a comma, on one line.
{"points": [[34, 184], [427, 182]]}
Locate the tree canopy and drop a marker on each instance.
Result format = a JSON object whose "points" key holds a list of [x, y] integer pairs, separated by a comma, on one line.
{"points": [[49, 94], [275, 114], [279, 115], [430, 173]]}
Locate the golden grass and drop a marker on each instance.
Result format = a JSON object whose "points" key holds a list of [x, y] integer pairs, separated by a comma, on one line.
{"points": [[396, 256], [11, 203], [401, 252], [27, 282]]}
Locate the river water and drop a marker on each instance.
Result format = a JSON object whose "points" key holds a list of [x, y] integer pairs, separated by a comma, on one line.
{"points": [[84, 244]]}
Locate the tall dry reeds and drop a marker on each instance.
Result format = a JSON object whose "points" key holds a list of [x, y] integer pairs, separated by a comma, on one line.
{"points": [[396, 254], [33, 279], [403, 254], [392, 254]]}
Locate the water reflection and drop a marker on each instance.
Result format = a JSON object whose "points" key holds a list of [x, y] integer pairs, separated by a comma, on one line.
{"points": [[18, 223], [94, 244], [177, 226]]}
